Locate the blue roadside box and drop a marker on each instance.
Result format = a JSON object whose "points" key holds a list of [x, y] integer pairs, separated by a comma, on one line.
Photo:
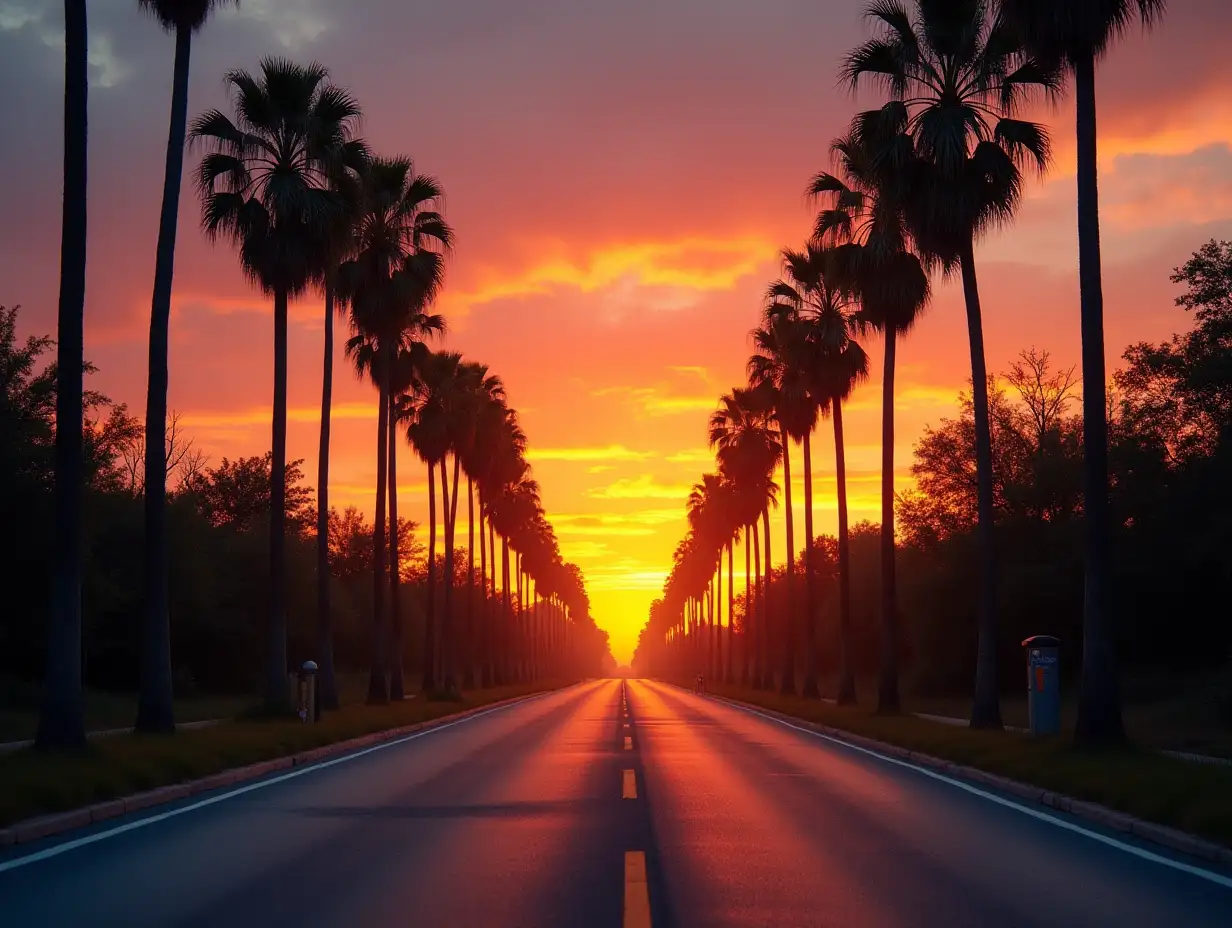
{"points": [[1043, 684]]}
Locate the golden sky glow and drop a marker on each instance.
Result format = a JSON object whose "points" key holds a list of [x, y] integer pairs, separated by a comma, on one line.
{"points": [[621, 177]]}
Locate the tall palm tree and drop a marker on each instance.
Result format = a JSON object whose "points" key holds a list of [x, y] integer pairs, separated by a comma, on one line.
{"points": [[812, 300], [747, 447], [956, 75], [340, 242], [1077, 33], [864, 217], [402, 376], [481, 406], [429, 434], [395, 272], [265, 186], [777, 367], [61, 723], [154, 706], [369, 357]]}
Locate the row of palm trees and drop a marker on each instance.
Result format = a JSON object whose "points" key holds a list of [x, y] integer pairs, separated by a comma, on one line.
{"points": [[289, 183], [917, 181]]}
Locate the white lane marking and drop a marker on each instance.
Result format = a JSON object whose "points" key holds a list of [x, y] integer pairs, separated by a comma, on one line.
{"points": [[1209, 875], [67, 846]]}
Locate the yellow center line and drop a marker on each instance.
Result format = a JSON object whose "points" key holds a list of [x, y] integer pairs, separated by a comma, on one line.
{"points": [[628, 788], [637, 896], [628, 743]]}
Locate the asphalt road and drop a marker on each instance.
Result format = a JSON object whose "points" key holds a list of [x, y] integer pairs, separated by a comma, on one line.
{"points": [[563, 810]]}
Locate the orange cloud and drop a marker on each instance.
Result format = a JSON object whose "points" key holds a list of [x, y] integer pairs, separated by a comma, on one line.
{"points": [[692, 264], [606, 453]]}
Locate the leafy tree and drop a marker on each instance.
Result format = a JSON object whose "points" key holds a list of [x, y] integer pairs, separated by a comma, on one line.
{"points": [[236, 495]]}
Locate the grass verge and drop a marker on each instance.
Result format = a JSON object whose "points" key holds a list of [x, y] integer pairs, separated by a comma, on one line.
{"points": [[33, 783], [1193, 797]]}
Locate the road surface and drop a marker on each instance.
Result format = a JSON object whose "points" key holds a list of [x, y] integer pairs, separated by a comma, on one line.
{"points": [[564, 810]]}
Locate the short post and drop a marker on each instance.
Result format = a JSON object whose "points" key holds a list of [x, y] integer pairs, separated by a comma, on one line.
{"points": [[308, 710], [1043, 684]]}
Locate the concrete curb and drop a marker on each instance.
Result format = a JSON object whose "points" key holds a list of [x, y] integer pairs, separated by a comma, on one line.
{"points": [[44, 826], [1171, 838]]}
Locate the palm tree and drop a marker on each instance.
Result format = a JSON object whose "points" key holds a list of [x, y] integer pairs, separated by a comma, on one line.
{"points": [[748, 449], [1077, 33], [956, 75], [402, 376], [482, 406], [777, 368], [265, 185], [395, 272], [815, 308], [865, 218], [61, 723], [340, 242], [428, 433], [154, 707]]}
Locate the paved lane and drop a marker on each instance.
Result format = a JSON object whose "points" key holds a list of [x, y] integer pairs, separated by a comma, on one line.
{"points": [[512, 819], [757, 824], [572, 810]]}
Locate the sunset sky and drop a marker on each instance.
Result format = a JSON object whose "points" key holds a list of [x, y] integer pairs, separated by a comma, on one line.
{"points": [[621, 177]]}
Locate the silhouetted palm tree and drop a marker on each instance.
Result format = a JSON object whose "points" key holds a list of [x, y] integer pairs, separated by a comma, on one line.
{"points": [[340, 243], [428, 433], [61, 723], [812, 300], [778, 367], [956, 75], [265, 186], [1077, 33], [747, 447], [865, 218], [154, 702], [395, 272]]}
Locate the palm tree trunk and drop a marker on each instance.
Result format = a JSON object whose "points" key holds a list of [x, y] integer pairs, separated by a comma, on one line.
{"points": [[278, 690], [448, 681], [378, 691], [767, 664], [846, 675], [506, 636], [61, 724], [327, 683], [451, 642], [887, 693], [396, 686], [1099, 697], [712, 631], [788, 685], [496, 625], [731, 601], [986, 708], [468, 679], [757, 629], [746, 631], [717, 669], [155, 712], [810, 690], [485, 619], [428, 665]]}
